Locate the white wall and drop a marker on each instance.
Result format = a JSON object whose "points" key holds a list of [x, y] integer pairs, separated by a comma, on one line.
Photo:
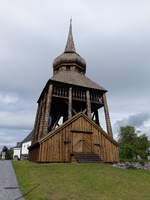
{"points": [[17, 152], [25, 146]]}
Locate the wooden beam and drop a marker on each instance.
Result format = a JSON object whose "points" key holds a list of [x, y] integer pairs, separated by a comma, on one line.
{"points": [[88, 103], [41, 119], [70, 103], [35, 125], [93, 115], [56, 122], [47, 109], [84, 111], [74, 111], [38, 121], [108, 123], [81, 131]]}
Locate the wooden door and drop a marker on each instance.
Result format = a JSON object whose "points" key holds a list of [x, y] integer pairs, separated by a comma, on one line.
{"points": [[82, 142], [77, 142], [96, 144], [87, 143]]}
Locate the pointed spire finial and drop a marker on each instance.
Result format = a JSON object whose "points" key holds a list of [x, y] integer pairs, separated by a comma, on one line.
{"points": [[70, 43]]}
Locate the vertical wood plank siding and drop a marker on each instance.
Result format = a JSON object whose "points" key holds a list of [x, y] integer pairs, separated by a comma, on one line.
{"points": [[58, 146]]}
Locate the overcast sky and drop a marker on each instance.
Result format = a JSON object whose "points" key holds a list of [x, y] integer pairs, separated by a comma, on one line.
{"points": [[112, 36]]}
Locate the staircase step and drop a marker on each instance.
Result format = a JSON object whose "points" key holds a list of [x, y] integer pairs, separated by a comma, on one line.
{"points": [[87, 157]]}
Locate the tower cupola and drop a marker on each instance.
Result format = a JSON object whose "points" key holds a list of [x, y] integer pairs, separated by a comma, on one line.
{"points": [[70, 59]]}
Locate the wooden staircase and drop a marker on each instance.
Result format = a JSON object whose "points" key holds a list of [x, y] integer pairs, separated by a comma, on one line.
{"points": [[87, 158]]}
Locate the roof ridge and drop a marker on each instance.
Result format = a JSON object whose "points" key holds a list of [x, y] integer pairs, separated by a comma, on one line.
{"points": [[74, 118]]}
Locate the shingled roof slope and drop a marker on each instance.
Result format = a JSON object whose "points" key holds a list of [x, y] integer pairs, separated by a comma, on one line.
{"points": [[28, 138], [75, 78]]}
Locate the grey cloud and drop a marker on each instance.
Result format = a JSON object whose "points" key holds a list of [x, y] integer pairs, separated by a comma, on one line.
{"points": [[136, 120], [139, 119], [11, 137], [112, 36], [16, 113], [16, 120]]}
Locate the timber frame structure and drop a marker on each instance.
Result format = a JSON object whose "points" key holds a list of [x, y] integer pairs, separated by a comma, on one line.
{"points": [[72, 98]]}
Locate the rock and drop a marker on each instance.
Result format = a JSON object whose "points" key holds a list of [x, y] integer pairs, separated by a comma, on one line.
{"points": [[132, 165]]}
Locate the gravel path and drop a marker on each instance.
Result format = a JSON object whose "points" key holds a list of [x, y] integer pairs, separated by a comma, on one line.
{"points": [[9, 189]]}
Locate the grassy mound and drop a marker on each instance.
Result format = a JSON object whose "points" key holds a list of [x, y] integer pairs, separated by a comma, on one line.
{"points": [[81, 181]]}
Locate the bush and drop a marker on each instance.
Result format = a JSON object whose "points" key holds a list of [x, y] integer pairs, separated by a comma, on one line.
{"points": [[9, 154]]}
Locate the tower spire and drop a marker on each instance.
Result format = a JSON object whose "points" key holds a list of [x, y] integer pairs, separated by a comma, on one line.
{"points": [[70, 43]]}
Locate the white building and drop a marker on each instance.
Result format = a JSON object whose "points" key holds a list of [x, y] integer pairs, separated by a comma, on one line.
{"points": [[24, 148], [21, 150], [25, 144], [17, 153], [3, 155]]}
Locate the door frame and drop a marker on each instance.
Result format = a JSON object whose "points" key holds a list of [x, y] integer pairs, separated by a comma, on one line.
{"points": [[81, 132]]}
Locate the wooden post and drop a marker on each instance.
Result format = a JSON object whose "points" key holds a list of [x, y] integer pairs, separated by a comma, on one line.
{"points": [[35, 125], [88, 103], [40, 135], [47, 109], [70, 103], [108, 124]]}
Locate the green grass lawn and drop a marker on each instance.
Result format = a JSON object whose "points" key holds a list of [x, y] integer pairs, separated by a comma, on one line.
{"points": [[81, 181]]}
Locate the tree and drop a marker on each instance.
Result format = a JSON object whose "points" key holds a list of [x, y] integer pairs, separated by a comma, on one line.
{"points": [[142, 146], [4, 149], [9, 154], [131, 145]]}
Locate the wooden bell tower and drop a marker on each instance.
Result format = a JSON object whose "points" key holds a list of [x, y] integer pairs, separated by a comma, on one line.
{"points": [[69, 92]]}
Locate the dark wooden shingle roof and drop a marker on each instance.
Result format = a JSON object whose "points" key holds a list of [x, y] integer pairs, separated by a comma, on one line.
{"points": [[75, 78]]}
